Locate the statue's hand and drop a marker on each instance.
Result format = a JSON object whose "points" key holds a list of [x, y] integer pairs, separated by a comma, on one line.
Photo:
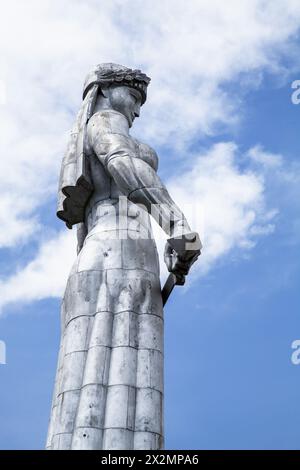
{"points": [[181, 253]]}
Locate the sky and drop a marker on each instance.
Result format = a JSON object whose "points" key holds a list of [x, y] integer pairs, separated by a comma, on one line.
{"points": [[221, 117]]}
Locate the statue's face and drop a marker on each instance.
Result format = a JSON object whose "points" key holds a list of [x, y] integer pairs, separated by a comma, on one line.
{"points": [[126, 100]]}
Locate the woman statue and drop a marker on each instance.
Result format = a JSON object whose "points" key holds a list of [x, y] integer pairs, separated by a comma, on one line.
{"points": [[109, 382]]}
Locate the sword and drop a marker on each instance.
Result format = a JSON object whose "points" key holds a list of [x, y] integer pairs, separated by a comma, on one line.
{"points": [[180, 246]]}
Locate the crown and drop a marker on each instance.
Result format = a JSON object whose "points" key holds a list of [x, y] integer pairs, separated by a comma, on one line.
{"points": [[110, 73]]}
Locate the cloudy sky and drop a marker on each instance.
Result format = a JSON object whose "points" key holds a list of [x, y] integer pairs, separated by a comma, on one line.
{"points": [[220, 115]]}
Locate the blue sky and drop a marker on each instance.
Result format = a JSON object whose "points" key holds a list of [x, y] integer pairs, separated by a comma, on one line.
{"points": [[226, 132]]}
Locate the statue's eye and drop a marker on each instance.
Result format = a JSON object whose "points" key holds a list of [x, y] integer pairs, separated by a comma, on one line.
{"points": [[135, 98]]}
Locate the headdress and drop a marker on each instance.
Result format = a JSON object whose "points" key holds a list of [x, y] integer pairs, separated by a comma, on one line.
{"points": [[107, 74]]}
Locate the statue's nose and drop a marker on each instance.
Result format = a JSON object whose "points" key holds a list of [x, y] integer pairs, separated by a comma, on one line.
{"points": [[137, 110]]}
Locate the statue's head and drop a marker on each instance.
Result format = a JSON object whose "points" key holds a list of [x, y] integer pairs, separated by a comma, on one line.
{"points": [[125, 89]]}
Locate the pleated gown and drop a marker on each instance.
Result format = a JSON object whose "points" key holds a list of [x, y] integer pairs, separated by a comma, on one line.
{"points": [[109, 382]]}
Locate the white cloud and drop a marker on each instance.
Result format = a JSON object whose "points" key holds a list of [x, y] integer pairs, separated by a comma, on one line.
{"points": [[267, 159], [224, 203], [45, 276]]}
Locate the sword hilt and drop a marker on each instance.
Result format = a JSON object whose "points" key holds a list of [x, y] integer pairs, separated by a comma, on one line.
{"points": [[188, 244]]}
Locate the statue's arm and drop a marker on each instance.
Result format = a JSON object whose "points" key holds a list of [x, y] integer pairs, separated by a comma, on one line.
{"points": [[136, 178]]}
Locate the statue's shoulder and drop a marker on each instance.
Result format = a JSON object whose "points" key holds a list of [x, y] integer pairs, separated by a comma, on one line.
{"points": [[109, 121]]}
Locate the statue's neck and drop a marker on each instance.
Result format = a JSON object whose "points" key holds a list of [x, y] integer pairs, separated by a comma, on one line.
{"points": [[102, 103]]}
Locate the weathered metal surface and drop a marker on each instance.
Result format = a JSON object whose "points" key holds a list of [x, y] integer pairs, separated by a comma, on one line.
{"points": [[109, 388]]}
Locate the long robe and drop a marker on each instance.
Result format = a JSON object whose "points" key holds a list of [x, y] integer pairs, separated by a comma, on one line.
{"points": [[109, 383]]}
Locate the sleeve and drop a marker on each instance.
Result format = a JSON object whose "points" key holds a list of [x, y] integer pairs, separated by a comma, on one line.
{"points": [[110, 141]]}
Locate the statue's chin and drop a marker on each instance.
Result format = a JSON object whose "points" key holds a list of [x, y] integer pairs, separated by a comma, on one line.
{"points": [[130, 121]]}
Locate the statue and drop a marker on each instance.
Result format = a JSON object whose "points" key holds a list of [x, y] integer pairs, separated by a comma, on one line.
{"points": [[108, 390]]}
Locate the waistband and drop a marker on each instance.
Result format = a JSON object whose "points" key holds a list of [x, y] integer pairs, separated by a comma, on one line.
{"points": [[117, 214]]}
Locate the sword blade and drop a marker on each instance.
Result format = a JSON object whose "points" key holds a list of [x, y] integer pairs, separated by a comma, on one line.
{"points": [[170, 283]]}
